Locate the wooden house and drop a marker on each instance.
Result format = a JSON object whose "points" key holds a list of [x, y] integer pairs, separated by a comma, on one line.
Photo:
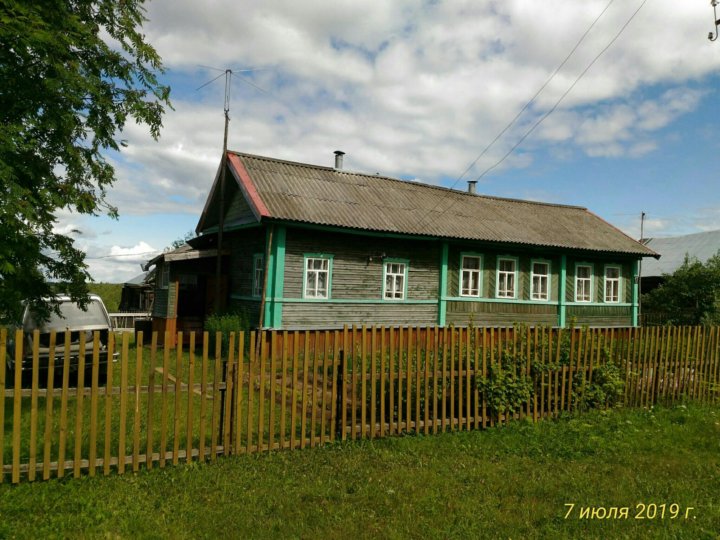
{"points": [[320, 247]]}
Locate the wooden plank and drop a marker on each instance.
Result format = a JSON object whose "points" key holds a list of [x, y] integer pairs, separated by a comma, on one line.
{"points": [[383, 380], [468, 353], [178, 395], [373, 380], [484, 375], [92, 457], [491, 362], [17, 405], [556, 403], [251, 390], [363, 382], [3, 371], [344, 390], [215, 418], [108, 402], [352, 355], [436, 368], [306, 368], [163, 399], [711, 367], [79, 407], [334, 383], [418, 373], [228, 403], [313, 398], [272, 379], [323, 386], [458, 419], [392, 417], [295, 385], [699, 363], [189, 404], [239, 385], [34, 403], [401, 349], [408, 378], [283, 383], [138, 404], [123, 404], [150, 399], [453, 344]]}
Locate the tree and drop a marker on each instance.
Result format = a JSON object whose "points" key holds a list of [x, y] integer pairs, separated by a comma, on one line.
{"points": [[72, 73], [690, 295]]}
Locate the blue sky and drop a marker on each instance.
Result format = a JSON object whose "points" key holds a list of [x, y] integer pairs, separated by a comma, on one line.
{"points": [[417, 90]]}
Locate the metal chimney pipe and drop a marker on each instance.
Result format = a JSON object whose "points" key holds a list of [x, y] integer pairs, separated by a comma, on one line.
{"points": [[472, 186], [339, 159]]}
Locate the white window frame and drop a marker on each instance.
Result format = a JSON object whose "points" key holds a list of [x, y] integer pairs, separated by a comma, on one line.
{"points": [[498, 272], [313, 295], [548, 280], [590, 279], [471, 271], [617, 280], [258, 280], [405, 268]]}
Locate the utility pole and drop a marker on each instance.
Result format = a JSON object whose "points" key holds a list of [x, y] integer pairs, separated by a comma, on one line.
{"points": [[221, 209]]}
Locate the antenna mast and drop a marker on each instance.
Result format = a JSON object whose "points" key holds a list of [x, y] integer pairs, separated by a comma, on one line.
{"points": [[221, 210]]}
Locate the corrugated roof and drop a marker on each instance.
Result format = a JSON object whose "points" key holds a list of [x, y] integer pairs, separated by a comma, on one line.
{"points": [[673, 250], [325, 196]]}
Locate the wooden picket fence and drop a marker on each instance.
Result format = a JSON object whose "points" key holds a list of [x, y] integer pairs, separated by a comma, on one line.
{"points": [[263, 391]]}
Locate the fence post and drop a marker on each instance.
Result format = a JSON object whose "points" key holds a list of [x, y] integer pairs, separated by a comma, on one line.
{"points": [[339, 385]]}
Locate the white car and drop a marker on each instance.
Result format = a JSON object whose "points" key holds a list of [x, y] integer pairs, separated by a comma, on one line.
{"points": [[78, 321]]}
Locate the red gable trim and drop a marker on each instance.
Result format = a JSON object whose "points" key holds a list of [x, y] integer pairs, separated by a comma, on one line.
{"points": [[243, 178]]}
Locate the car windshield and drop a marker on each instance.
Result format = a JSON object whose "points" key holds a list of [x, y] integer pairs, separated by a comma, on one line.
{"points": [[71, 316]]}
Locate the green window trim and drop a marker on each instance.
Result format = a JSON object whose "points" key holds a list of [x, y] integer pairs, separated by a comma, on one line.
{"points": [[516, 265], [548, 275], [386, 262], [321, 256], [473, 254], [619, 283], [592, 282]]}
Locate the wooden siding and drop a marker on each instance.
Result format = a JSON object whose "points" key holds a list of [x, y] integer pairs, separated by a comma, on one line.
{"points": [[244, 245], [489, 270], [599, 279], [239, 211], [332, 315], [248, 309], [356, 277], [607, 315], [496, 313]]}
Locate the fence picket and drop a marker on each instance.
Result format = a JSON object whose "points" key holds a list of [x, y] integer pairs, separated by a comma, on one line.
{"points": [[92, 458], [3, 353], [335, 382]]}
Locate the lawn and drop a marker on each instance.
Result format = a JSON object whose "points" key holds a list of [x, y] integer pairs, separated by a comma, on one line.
{"points": [[510, 482]]}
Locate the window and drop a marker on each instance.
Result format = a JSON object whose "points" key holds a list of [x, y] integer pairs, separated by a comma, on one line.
{"points": [[317, 277], [540, 281], [506, 279], [583, 283], [258, 275], [470, 266], [395, 280], [612, 284], [164, 276]]}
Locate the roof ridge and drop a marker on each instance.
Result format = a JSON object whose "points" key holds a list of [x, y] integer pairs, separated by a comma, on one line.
{"points": [[414, 182]]}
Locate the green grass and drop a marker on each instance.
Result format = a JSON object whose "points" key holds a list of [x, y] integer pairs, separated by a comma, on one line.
{"points": [[508, 482], [109, 292]]}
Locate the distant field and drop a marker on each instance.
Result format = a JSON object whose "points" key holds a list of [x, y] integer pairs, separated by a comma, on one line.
{"points": [[110, 294], [511, 482]]}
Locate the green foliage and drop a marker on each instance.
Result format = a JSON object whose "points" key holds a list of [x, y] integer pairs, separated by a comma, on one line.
{"points": [[72, 74], [226, 323], [690, 295], [110, 294], [603, 392]]}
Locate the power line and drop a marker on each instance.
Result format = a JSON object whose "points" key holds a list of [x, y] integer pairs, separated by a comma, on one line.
{"points": [[529, 102], [557, 103]]}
